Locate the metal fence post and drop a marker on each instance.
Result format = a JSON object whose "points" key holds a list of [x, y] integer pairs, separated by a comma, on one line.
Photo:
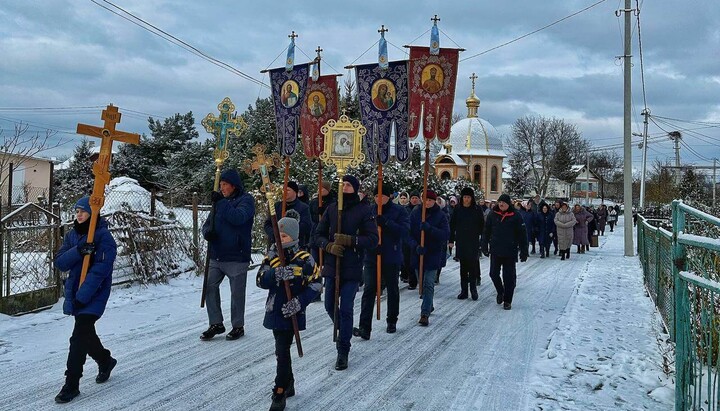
{"points": [[153, 198], [682, 312], [196, 237]]}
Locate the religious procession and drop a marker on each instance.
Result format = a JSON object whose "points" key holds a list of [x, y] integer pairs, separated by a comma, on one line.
{"points": [[372, 238]]}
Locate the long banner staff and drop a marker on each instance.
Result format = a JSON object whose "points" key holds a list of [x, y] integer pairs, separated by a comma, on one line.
{"points": [[221, 127], [261, 165], [341, 150], [378, 262], [101, 167], [426, 171]]}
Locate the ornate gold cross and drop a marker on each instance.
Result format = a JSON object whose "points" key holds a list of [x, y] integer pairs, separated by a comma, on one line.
{"points": [[221, 127]]}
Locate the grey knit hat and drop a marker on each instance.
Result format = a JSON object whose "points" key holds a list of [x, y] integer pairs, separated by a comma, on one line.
{"points": [[290, 226]]}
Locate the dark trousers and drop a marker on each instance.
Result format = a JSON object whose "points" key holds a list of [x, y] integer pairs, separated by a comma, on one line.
{"points": [[389, 279], [283, 373], [408, 272], [469, 274], [83, 342], [506, 286], [545, 245], [554, 241], [348, 289]]}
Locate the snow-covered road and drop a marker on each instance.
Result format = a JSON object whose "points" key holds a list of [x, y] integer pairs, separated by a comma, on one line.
{"points": [[474, 355]]}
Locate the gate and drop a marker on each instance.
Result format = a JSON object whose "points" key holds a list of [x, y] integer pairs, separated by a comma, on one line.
{"points": [[29, 239]]}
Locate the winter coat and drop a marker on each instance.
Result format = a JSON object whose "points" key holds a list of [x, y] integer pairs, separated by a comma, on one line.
{"points": [[316, 211], [230, 236], [305, 286], [531, 220], [358, 220], [612, 216], [466, 228], [546, 227], [580, 231], [436, 237], [95, 290], [305, 221], [396, 228], [505, 234], [602, 215], [564, 223]]}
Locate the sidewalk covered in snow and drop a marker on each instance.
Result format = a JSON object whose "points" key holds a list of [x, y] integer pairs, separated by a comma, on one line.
{"points": [[581, 335]]}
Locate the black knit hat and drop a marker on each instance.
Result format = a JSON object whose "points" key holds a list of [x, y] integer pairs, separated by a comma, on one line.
{"points": [[505, 199], [467, 191], [293, 186], [353, 182], [387, 189]]}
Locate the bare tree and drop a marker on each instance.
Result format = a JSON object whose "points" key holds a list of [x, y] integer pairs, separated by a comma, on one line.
{"points": [[605, 164], [21, 146], [533, 145]]}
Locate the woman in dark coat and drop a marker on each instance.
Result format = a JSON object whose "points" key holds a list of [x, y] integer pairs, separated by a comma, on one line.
{"points": [[602, 215], [530, 218], [466, 227], [580, 230], [546, 229]]}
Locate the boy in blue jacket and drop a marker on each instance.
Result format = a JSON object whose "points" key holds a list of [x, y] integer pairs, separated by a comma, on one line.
{"points": [[86, 301], [304, 277]]}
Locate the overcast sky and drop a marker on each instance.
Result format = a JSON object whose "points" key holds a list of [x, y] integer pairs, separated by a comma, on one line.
{"points": [[63, 53]]}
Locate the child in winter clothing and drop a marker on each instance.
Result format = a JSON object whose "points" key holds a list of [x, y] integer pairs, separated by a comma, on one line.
{"points": [[303, 276], [86, 301]]}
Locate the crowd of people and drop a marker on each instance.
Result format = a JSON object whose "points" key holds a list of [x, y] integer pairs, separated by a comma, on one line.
{"points": [[413, 237]]}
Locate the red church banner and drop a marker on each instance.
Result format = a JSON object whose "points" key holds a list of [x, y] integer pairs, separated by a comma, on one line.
{"points": [[432, 86], [320, 105]]}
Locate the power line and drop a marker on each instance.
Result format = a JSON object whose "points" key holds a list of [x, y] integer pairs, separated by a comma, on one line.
{"points": [[174, 40], [642, 66], [534, 31]]}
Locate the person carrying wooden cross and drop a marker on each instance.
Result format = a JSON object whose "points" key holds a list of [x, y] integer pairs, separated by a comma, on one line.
{"points": [[86, 301]]}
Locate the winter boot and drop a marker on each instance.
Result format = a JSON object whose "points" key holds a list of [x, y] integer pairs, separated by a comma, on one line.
{"points": [[554, 252], [473, 292], [499, 298], [68, 392], [361, 332], [463, 295], [424, 321], [235, 333], [391, 328], [507, 306], [104, 370], [547, 253], [533, 249], [562, 255], [567, 254], [579, 249], [214, 330], [278, 399], [542, 254], [342, 362]]}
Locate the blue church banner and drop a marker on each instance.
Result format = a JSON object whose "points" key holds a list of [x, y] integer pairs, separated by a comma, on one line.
{"points": [[383, 95], [288, 92]]}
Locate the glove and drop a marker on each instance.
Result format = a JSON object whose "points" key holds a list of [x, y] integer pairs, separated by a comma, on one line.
{"points": [[216, 196], [210, 236], [78, 305], [87, 249], [425, 226], [335, 249], [344, 240], [381, 220], [284, 273], [523, 258], [420, 250], [291, 307]]}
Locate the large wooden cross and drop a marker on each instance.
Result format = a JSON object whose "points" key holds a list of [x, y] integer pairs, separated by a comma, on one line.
{"points": [[101, 167]]}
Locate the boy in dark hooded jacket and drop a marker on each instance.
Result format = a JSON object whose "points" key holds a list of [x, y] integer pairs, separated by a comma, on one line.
{"points": [[304, 277], [86, 301]]}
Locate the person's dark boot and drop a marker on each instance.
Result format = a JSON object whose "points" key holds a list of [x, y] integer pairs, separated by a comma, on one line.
{"points": [[235, 333], [533, 249], [278, 399], [473, 292], [212, 331], [547, 253], [542, 254], [567, 254], [579, 249], [554, 252], [104, 370], [463, 295], [67, 393], [562, 256], [361, 332], [507, 305], [424, 321], [391, 327], [499, 298], [342, 362]]}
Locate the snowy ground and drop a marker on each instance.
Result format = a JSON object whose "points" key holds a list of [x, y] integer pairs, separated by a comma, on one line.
{"points": [[581, 335]]}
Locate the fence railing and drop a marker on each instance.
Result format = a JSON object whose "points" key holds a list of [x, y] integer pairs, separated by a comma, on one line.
{"points": [[682, 274]]}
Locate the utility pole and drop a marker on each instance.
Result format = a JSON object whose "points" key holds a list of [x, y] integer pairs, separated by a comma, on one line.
{"points": [[714, 180], [646, 114], [675, 136], [627, 169], [587, 179]]}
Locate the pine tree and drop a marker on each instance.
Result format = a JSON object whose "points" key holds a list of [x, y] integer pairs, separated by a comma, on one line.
{"points": [[77, 180], [692, 188]]}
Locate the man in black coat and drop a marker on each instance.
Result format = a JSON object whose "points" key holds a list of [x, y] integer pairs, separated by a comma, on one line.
{"points": [[316, 211], [408, 272], [394, 223], [358, 234], [504, 236], [292, 202], [466, 227]]}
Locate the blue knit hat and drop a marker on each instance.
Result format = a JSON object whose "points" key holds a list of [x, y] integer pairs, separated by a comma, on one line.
{"points": [[353, 182], [84, 204], [231, 176]]}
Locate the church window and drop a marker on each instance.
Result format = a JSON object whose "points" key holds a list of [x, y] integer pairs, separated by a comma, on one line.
{"points": [[477, 174], [494, 179], [445, 175]]}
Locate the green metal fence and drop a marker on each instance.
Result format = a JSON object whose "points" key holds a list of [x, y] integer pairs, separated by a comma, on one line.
{"points": [[682, 274]]}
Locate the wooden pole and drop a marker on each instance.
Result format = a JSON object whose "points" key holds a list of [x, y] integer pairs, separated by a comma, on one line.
{"points": [[378, 261], [286, 180], [320, 202], [337, 258], [426, 171], [216, 187]]}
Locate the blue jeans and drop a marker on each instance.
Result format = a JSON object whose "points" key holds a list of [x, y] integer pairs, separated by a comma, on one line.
{"points": [[348, 289], [428, 291]]}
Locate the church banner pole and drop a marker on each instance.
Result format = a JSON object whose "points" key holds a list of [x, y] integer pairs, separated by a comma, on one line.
{"points": [[426, 171], [378, 261]]}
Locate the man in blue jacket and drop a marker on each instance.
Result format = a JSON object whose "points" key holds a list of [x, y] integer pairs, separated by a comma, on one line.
{"points": [[437, 232], [358, 234], [504, 237], [228, 233], [292, 202], [86, 301], [394, 223]]}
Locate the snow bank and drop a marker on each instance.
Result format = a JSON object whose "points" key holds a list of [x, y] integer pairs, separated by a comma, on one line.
{"points": [[125, 194]]}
